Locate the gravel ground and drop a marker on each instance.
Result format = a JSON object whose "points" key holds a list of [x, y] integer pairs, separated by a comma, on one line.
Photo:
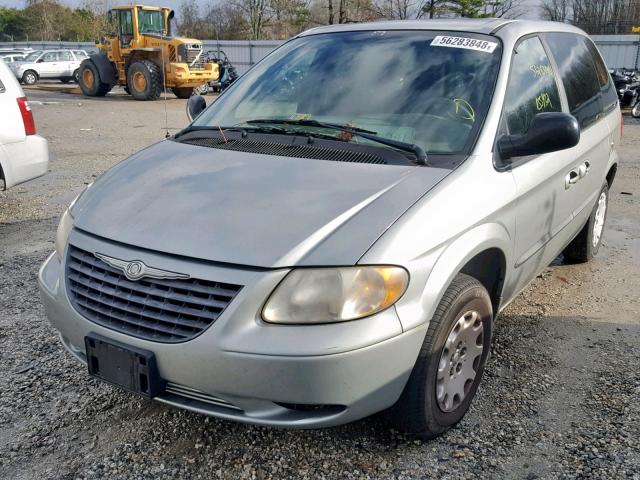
{"points": [[559, 398]]}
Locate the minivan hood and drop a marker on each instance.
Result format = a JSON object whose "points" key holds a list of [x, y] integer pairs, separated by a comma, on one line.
{"points": [[246, 208]]}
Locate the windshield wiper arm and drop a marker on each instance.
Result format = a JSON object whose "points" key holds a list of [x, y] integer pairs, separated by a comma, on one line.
{"points": [[421, 155]]}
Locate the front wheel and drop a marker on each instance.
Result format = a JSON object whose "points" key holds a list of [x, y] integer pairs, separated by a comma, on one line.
{"points": [[586, 245], [450, 364], [144, 80], [635, 111], [29, 77]]}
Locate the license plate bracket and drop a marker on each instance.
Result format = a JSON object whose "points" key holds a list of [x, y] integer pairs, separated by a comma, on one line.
{"points": [[131, 368]]}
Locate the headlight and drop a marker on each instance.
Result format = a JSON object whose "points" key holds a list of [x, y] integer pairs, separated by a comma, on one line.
{"points": [[64, 230], [66, 224], [327, 295]]}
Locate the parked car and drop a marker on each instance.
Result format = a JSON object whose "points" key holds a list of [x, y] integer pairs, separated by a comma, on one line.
{"points": [[60, 64], [336, 234], [23, 154], [12, 57]]}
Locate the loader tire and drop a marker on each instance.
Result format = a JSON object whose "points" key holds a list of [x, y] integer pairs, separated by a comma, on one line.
{"points": [[182, 92], [144, 80], [89, 80]]}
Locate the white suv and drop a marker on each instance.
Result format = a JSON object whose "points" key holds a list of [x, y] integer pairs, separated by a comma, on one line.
{"points": [[60, 64], [23, 154]]}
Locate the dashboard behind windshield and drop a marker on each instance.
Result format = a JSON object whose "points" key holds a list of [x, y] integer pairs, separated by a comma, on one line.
{"points": [[424, 87]]}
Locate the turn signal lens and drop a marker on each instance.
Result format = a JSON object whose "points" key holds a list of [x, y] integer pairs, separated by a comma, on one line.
{"points": [[327, 295]]}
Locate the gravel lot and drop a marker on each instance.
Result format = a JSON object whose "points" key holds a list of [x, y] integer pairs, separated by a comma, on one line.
{"points": [[560, 397]]}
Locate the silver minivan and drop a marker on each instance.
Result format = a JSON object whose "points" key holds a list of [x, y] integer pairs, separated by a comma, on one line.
{"points": [[335, 235]]}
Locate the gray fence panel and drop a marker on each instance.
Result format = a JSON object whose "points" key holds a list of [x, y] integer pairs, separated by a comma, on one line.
{"points": [[619, 51], [242, 53]]}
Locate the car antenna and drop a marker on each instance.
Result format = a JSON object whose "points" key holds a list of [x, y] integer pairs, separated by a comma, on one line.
{"points": [[164, 88]]}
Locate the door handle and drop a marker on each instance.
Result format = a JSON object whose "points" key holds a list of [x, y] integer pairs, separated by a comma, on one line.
{"points": [[572, 178], [584, 169]]}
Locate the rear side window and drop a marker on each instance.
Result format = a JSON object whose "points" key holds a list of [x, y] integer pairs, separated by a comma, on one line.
{"points": [[65, 56], [578, 74], [608, 89], [532, 87]]}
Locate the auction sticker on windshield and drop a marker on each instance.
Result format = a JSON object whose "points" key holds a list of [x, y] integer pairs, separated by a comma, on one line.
{"points": [[464, 42]]}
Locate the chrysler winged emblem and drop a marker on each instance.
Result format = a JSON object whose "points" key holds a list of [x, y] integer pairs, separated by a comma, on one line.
{"points": [[136, 269]]}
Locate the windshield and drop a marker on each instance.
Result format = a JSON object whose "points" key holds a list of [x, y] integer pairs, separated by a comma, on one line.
{"points": [[420, 87], [33, 56], [150, 21]]}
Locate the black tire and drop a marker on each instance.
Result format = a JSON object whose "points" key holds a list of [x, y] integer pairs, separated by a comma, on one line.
{"points": [[76, 75], [90, 82], [583, 248], [30, 77], [66, 79], [152, 80], [182, 92], [418, 410], [635, 111]]}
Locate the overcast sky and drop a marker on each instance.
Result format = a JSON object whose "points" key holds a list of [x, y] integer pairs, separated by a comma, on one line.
{"points": [[530, 7]]}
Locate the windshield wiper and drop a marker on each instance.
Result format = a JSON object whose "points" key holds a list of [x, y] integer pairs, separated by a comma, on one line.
{"points": [[417, 150]]}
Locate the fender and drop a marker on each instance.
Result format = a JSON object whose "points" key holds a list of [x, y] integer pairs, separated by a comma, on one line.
{"points": [[105, 68], [447, 262]]}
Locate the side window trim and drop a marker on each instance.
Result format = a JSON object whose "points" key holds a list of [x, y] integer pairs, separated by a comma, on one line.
{"points": [[556, 74]]}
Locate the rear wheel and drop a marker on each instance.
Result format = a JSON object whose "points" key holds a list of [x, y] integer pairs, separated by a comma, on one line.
{"points": [[90, 81], [586, 245], [635, 111], [76, 75], [450, 364], [182, 92], [29, 77], [144, 80]]}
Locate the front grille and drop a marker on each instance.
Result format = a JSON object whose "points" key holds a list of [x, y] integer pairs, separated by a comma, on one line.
{"points": [[192, 55], [160, 310], [287, 150]]}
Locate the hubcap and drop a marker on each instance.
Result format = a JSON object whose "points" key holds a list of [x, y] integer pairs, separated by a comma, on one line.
{"points": [[139, 81], [459, 361], [87, 77], [31, 78], [598, 224]]}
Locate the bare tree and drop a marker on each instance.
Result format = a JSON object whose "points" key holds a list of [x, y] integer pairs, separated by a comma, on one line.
{"points": [[503, 8]]}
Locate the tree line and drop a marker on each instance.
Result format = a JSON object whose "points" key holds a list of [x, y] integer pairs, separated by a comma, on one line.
{"points": [[281, 19]]}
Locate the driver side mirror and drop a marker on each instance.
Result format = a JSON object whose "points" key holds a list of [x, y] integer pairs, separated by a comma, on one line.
{"points": [[549, 132], [195, 106], [40, 60]]}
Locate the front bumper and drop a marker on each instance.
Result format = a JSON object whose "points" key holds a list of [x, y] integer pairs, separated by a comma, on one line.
{"points": [[180, 75], [243, 369]]}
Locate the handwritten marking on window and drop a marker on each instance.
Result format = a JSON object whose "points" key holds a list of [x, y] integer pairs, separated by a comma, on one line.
{"points": [[541, 70], [543, 101]]}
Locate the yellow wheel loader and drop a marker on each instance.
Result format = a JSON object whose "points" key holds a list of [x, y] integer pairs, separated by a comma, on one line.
{"points": [[144, 56]]}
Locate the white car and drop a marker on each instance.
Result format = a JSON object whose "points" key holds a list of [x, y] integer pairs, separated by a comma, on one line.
{"points": [[12, 57], [23, 154], [60, 64]]}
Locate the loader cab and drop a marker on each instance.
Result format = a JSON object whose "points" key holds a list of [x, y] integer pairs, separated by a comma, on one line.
{"points": [[130, 23]]}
